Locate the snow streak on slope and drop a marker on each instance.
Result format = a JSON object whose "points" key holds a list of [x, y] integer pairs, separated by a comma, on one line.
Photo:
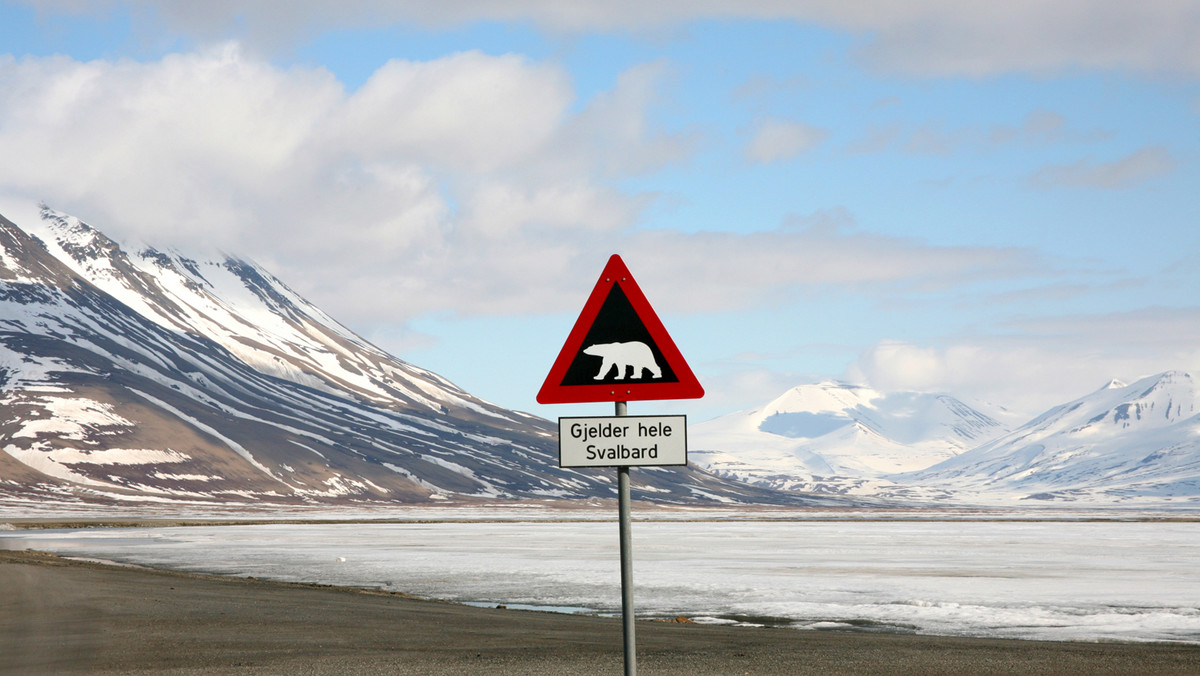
{"points": [[835, 437], [1118, 443], [250, 313]]}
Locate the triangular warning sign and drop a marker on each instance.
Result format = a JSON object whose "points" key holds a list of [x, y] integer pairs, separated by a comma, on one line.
{"points": [[618, 350]]}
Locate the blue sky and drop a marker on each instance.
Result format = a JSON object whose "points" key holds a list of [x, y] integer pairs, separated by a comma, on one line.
{"points": [[998, 202]]}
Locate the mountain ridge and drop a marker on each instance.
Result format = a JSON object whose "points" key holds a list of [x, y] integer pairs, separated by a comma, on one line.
{"points": [[1121, 441], [836, 437], [1120, 444], [138, 374], [150, 376]]}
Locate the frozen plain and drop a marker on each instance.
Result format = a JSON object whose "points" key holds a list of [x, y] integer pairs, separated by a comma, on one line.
{"points": [[1125, 580]]}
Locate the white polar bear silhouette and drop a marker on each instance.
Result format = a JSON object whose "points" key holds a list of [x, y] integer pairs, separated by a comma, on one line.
{"points": [[623, 355]]}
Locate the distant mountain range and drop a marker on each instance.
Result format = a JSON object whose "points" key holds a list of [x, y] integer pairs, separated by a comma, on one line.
{"points": [[148, 376], [1132, 444], [839, 438], [141, 375], [1120, 443]]}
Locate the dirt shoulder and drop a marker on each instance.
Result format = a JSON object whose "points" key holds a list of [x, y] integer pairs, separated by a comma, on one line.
{"points": [[64, 616]]}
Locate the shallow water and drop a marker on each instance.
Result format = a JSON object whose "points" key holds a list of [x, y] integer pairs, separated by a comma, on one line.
{"points": [[1053, 580]]}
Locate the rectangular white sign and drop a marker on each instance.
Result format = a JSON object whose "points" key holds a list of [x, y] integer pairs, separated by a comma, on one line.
{"points": [[622, 441]]}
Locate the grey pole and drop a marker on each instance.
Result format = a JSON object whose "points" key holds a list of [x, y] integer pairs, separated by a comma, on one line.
{"points": [[626, 561]]}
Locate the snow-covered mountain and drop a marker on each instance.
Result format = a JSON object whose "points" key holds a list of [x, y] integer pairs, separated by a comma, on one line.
{"points": [[148, 375], [1119, 443], [1134, 444], [840, 438]]}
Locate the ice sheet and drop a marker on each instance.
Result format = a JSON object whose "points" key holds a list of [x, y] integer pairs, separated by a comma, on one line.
{"points": [[1134, 581]]}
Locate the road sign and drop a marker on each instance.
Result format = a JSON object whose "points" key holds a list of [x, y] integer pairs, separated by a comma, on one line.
{"points": [[618, 350], [613, 441]]}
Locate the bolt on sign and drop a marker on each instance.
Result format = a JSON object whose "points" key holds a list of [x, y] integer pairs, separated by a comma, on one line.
{"points": [[618, 350]]}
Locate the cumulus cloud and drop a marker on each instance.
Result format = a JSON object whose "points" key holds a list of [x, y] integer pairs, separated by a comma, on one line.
{"points": [[467, 112], [476, 184], [183, 139], [1031, 377], [614, 136], [1040, 362], [469, 184], [547, 269], [417, 172], [936, 37]]}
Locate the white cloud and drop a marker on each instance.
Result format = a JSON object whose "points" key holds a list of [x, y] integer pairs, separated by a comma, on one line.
{"points": [[759, 86], [1038, 128], [877, 139], [469, 112], [183, 139], [982, 39], [1137, 167], [464, 184], [1041, 362], [437, 187], [776, 140], [933, 37], [1152, 330], [613, 135], [712, 271], [1028, 377], [497, 209], [222, 149]]}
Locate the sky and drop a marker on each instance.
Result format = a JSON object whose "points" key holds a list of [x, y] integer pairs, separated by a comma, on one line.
{"points": [[995, 200]]}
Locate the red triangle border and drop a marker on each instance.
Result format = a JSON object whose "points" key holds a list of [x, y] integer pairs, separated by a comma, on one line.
{"points": [[554, 392]]}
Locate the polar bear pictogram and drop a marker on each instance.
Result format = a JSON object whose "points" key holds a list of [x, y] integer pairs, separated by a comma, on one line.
{"points": [[633, 354]]}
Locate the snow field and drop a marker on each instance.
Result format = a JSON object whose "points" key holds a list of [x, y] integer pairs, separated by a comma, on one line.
{"points": [[1061, 580]]}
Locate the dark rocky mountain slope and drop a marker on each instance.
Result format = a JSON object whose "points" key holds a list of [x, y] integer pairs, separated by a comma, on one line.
{"points": [[147, 376]]}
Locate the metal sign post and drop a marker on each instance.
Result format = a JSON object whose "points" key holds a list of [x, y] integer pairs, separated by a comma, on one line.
{"points": [[619, 351], [623, 517]]}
